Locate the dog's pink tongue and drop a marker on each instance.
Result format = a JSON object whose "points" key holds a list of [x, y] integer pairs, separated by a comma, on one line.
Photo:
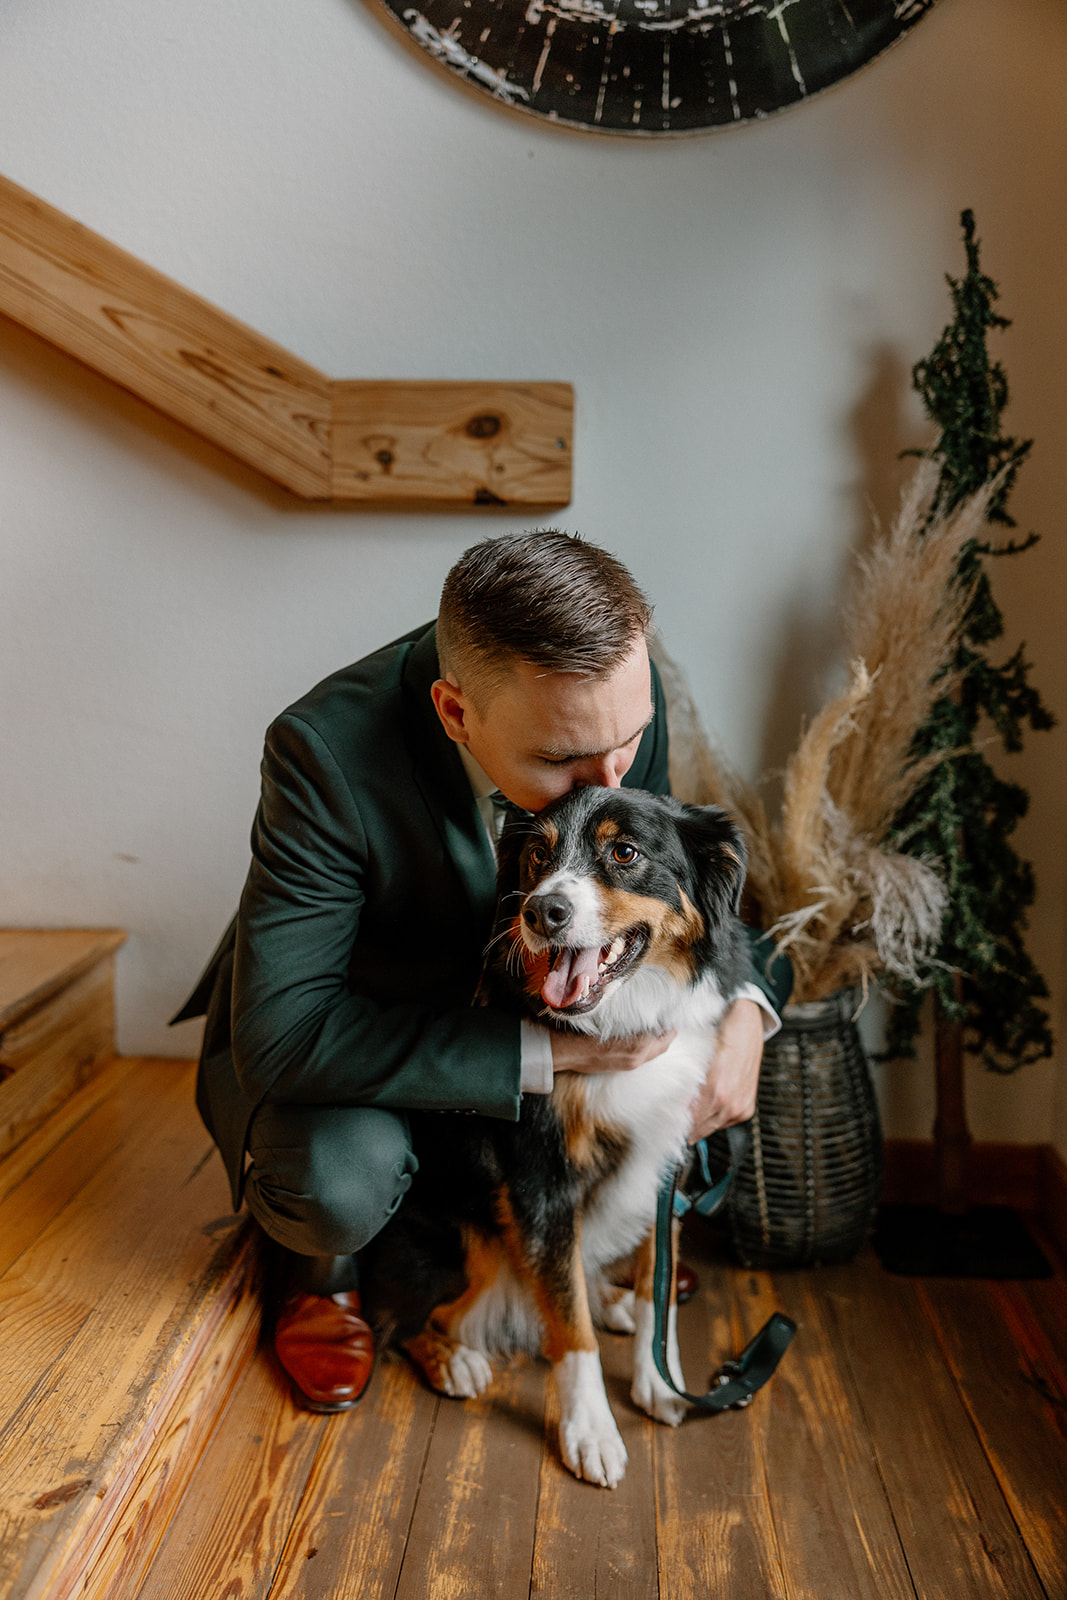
{"points": [[563, 986]]}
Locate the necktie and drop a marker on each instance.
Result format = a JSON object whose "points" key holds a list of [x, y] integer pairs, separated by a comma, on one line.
{"points": [[503, 810]]}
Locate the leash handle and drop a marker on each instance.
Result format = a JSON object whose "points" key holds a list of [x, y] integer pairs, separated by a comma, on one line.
{"points": [[738, 1380]]}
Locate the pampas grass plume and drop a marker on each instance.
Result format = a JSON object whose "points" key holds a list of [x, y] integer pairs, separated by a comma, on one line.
{"points": [[821, 877]]}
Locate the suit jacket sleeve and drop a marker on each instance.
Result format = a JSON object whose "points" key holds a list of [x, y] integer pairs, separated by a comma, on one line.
{"points": [[301, 1033]]}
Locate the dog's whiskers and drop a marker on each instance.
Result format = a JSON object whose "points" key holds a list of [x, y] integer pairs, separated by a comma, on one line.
{"points": [[497, 937], [513, 959]]}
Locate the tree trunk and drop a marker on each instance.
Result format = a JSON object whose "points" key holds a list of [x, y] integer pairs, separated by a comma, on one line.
{"points": [[952, 1138]]}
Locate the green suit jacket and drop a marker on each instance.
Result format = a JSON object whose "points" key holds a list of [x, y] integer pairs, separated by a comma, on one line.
{"points": [[346, 976]]}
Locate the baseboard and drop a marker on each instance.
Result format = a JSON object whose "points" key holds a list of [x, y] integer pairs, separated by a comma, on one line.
{"points": [[1028, 1177], [1052, 1195], [1001, 1174]]}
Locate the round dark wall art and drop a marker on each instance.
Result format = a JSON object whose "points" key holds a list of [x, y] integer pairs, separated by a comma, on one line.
{"points": [[654, 66]]}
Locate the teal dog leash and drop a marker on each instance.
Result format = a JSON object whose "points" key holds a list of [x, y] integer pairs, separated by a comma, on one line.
{"points": [[736, 1381]]}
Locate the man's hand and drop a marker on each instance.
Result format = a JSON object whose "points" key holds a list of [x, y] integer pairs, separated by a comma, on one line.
{"points": [[576, 1052], [728, 1094]]}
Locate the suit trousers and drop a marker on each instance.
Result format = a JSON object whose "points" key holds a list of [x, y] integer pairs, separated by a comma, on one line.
{"points": [[323, 1180]]}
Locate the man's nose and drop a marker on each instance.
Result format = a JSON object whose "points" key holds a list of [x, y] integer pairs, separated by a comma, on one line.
{"points": [[605, 772]]}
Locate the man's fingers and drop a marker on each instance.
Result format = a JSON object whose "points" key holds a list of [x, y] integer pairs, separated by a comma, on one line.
{"points": [[728, 1093], [647, 1046], [575, 1052]]}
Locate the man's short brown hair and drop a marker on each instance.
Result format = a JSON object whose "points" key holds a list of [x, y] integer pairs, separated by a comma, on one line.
{"points": [[544, 597]]}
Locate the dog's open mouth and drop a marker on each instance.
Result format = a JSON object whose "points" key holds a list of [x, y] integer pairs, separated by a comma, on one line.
{"points": [[577, 978]]}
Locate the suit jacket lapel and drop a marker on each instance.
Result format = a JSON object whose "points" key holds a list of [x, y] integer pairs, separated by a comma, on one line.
{"points": [[443, 783]]}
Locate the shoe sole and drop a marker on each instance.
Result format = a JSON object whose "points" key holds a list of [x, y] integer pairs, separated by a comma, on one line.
{"points": [[323, 1407]]}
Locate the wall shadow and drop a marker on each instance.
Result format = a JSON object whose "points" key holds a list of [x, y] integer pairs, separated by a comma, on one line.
{"points": [[811, 657]]}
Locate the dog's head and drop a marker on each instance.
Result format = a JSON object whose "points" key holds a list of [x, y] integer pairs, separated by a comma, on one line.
{"points": [[606, 881]]}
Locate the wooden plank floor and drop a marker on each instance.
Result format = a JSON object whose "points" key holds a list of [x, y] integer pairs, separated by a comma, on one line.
{"points": [[913, 1445], [119, 1264]]}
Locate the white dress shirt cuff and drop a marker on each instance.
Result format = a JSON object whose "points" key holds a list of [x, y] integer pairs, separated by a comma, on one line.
{"points": [[771, 1020], [535, 1058]]}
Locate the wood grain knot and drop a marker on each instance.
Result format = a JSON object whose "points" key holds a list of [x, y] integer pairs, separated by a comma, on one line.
{"points": [[62, 1495], [485, 426]]}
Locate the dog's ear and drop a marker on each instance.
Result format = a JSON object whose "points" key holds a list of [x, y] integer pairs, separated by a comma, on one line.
{"points": [[509, 848], [717, 847]]}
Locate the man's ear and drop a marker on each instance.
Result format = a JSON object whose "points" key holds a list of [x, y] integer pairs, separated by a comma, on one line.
{"points": [[451, 706]]}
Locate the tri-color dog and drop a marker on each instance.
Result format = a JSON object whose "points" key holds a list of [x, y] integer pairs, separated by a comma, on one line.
{"points": [[617, 915]]}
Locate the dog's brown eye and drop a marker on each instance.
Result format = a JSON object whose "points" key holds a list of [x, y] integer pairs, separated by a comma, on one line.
{"points": [[536, 855], [624, 854]]}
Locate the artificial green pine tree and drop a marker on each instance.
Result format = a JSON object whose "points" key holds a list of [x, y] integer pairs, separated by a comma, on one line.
{"points": [[963, 815]]}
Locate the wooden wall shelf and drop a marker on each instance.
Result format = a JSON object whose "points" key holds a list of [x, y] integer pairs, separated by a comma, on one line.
{"points": [[407, 445]]}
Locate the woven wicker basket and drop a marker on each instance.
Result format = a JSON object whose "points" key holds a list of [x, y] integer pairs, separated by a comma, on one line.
{"points": [[807, 1188]]}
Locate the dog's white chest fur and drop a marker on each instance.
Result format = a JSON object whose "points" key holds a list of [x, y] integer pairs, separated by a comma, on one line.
{"points": [[650, 1106]]}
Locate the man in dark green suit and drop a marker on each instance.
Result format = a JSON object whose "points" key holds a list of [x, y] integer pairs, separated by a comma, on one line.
{"points": [[339, 999]]}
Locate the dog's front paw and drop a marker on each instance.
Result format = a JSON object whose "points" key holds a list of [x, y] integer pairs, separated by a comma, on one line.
{"points": [[649, 1391], [450, 1367], [589, 1441], [465, 1374], [651, 1394], [593, 1451]]}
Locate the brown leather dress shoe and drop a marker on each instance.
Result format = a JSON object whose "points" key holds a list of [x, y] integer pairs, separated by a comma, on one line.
{"points": [[687, 1283], [326, 1348]]}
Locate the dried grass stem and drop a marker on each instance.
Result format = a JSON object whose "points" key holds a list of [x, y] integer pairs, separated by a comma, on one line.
{"points": [[821, 876]]}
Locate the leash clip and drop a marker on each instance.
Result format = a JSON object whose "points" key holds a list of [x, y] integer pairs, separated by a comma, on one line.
{"points": [[727, 1373]]}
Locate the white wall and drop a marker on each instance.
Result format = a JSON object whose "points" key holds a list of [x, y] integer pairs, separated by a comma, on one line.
{"points": [[737, 311]]}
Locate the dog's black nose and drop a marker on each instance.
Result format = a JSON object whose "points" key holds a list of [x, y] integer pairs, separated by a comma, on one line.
{"points": [[547, 914]]}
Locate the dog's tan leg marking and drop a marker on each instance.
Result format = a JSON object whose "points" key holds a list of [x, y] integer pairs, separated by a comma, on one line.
{"points": [[558, 1285], [450, 1367], [649, 1390], [594, 1147], [570, 1098], [564, 1304], [590, 1442]]}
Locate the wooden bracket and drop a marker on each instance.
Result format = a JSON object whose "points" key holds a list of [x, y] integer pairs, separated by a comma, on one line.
{"points": [[428, 446]]}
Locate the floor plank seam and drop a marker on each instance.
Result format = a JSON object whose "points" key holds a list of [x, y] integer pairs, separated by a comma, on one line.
{"points": [[1039, 1364], [431, 1430], [282, 1562], [158, 1414], [10, 1424], [856, 1386], [1003, 1483], [783, 1582], [537, 1512], [193, 1469], [738, 1329], [12, 1158]]}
